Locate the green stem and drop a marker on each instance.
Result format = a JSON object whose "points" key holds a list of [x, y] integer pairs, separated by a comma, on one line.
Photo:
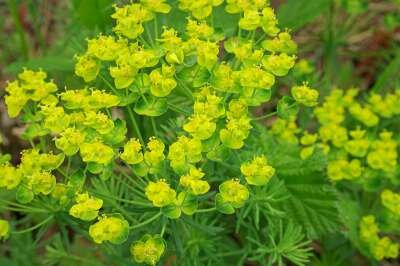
{"points": [[155, 28], [16, 204], [153, 123], [163, 229], [34, 227], [43, 145], [149, 35], [264, 116], [186, 89], [261, 38], [155, 217], [231, 253], [144, 41], [206, 210], [108, 84], [22, 210], [272, 114], [135, 125], [178, 109], [12, 4], [68, 165], [61, 172]]}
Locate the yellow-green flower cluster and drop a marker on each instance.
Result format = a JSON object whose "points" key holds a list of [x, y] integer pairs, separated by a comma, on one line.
{"points": [[32, 176], [237, 127], [30, 86], [233, 193], [132, 152], [96, 152], [160, 193], [380, 248], [113, 229], [352, 152], [87, 67], [147, 160], [130, 18], [129, 58], [162, 81], [343, 169], [148, 249], [70, 140], [199, 9], [207, 109], [184, 153], [10, 177], [383, 154], [54, 118], [279, 65], [147, 75], [364, 115], [358, 145], [308, 142], [332, 110], [385, 106], [305, 95], [154, 155], [174, 46], [194, 183], [282, 43], [335, 134], [285, 130], [255, 14], [85, 99], [78, 124], [86, 207], [391, 201], [257, 172], [198, 30], [4, 229]]}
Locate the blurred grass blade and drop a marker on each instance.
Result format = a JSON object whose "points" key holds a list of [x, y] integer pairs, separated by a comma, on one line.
{"points": [[294, 14], [48, 63], [386, 78], [93, 13]]}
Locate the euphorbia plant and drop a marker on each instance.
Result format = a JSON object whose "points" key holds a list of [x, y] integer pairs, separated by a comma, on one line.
{"points": [[156, 137]]}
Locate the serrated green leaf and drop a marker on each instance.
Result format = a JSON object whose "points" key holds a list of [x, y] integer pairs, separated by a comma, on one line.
{"points": [[314, 206]]}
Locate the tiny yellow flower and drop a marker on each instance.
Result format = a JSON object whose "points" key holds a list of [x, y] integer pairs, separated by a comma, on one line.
{"points": [[132, 152], [233, 192], [86, 207], [148, 249], [257, 172], [109, 228], [305, 95], [160, 193], [87, 67]]}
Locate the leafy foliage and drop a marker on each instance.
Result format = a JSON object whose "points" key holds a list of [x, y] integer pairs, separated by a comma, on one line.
{"points": [[307, 211]]}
